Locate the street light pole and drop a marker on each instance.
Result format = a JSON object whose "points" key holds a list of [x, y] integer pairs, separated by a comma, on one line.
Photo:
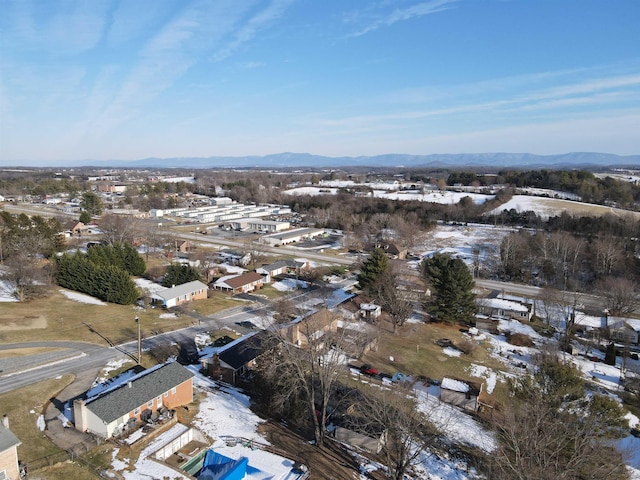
{"points": [[139, 341]]}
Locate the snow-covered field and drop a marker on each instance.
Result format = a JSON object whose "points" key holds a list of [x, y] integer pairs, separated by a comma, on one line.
{"points": [[548, 207]]}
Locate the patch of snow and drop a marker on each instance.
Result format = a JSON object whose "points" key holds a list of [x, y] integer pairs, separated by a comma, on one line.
{"points": [[81, 297], [490, 377], [452, 352], [7, 292], [289, 284]]}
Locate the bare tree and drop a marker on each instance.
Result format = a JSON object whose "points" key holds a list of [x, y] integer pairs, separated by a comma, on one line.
{"points": [[393, 299], [607, 255], [118, 228], [406, 430], [551, 430], [308, 368], [26, 277], [620, 294]]}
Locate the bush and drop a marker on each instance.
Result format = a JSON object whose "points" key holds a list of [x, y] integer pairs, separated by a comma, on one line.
{"points": [[466, 346], [520, 340]]}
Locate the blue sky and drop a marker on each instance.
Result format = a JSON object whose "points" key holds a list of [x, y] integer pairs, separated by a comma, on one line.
{"points": [[129, 79]]}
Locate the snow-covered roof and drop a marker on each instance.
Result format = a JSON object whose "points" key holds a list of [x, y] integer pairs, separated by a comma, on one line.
{"points": [[455, 385], [633, 324], [504, 304], [369, 306], [590, 321]]}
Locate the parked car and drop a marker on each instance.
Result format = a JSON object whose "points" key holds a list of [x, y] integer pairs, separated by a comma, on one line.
{"points": [[368, 370], [400, 377]]}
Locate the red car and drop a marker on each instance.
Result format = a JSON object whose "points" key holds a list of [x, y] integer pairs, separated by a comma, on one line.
{"points": [[369, 370]]}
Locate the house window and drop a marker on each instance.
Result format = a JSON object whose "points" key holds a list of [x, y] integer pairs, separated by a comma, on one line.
{"points": [[137, 411], [174, 390], [166, 394], [150, 404], [159, 400]]}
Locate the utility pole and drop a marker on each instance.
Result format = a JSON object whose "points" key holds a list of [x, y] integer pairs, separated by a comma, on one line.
{"points": [[139, 341]]}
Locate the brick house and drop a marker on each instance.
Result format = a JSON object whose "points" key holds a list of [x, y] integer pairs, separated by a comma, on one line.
{"points": [[144, 396], [246, 282], [187, 292]]}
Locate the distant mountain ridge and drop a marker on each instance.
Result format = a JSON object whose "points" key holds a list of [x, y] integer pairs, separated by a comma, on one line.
{"points": [[307, 160]]}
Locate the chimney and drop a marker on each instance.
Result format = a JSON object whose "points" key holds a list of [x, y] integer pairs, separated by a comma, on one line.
{"points": [[5, 421]]}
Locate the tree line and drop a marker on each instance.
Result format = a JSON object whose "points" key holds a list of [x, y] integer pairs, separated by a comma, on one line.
{"points": [[103, 272]]}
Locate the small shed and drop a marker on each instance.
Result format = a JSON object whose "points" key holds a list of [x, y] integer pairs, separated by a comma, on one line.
{"points": [[461, 393]]}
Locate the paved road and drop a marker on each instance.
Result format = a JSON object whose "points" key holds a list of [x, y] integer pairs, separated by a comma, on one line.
{"points": [[79, 357], [591, 303], [87, 356]]}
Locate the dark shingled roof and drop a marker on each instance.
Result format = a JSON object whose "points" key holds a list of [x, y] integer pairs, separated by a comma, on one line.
{"points": [[151, 383], [248, 349]]}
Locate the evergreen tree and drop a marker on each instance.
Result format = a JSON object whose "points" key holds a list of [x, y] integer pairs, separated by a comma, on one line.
{"points": [[91, 203], [610, 355], [372, 269], [85, 217], [452, 288], [178, 274]]}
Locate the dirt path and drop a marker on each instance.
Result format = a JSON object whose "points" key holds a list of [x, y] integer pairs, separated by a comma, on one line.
{"points": [[330, 462]]}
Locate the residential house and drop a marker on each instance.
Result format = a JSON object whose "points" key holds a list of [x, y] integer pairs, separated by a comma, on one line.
{"points": [[183, 246], [75, 229], [498, 307], [281, 267], [142, 397], [393, 251], [461, 393], [187, 292], [246, 282], [362, 308], [624, 330], [312, 328], [9, 465], [237, 358]]}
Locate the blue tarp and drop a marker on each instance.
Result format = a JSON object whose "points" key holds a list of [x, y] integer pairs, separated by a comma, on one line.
{"points": [[219, 467]]}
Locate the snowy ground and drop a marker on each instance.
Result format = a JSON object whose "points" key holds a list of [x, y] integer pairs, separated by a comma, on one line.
{"points": [[81, 297], [149, 286], [6, 291]]}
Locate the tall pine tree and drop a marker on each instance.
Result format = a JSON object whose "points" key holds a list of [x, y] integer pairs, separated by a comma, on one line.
{"points": [[372, 269], [452, 285]]}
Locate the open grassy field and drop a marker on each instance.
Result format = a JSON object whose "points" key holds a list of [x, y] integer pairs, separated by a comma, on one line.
{"points": [[415, 352], [57, 317]]}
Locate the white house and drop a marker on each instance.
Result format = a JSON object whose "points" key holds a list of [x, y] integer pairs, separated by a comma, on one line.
{"points": [[498, 307], [187, 292]]}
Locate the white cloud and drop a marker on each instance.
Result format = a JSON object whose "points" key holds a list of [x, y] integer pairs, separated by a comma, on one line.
{"points": [[402, 14], [248, 31]]}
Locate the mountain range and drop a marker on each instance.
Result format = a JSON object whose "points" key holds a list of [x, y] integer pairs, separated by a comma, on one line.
{"points": [[307, 160]]}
